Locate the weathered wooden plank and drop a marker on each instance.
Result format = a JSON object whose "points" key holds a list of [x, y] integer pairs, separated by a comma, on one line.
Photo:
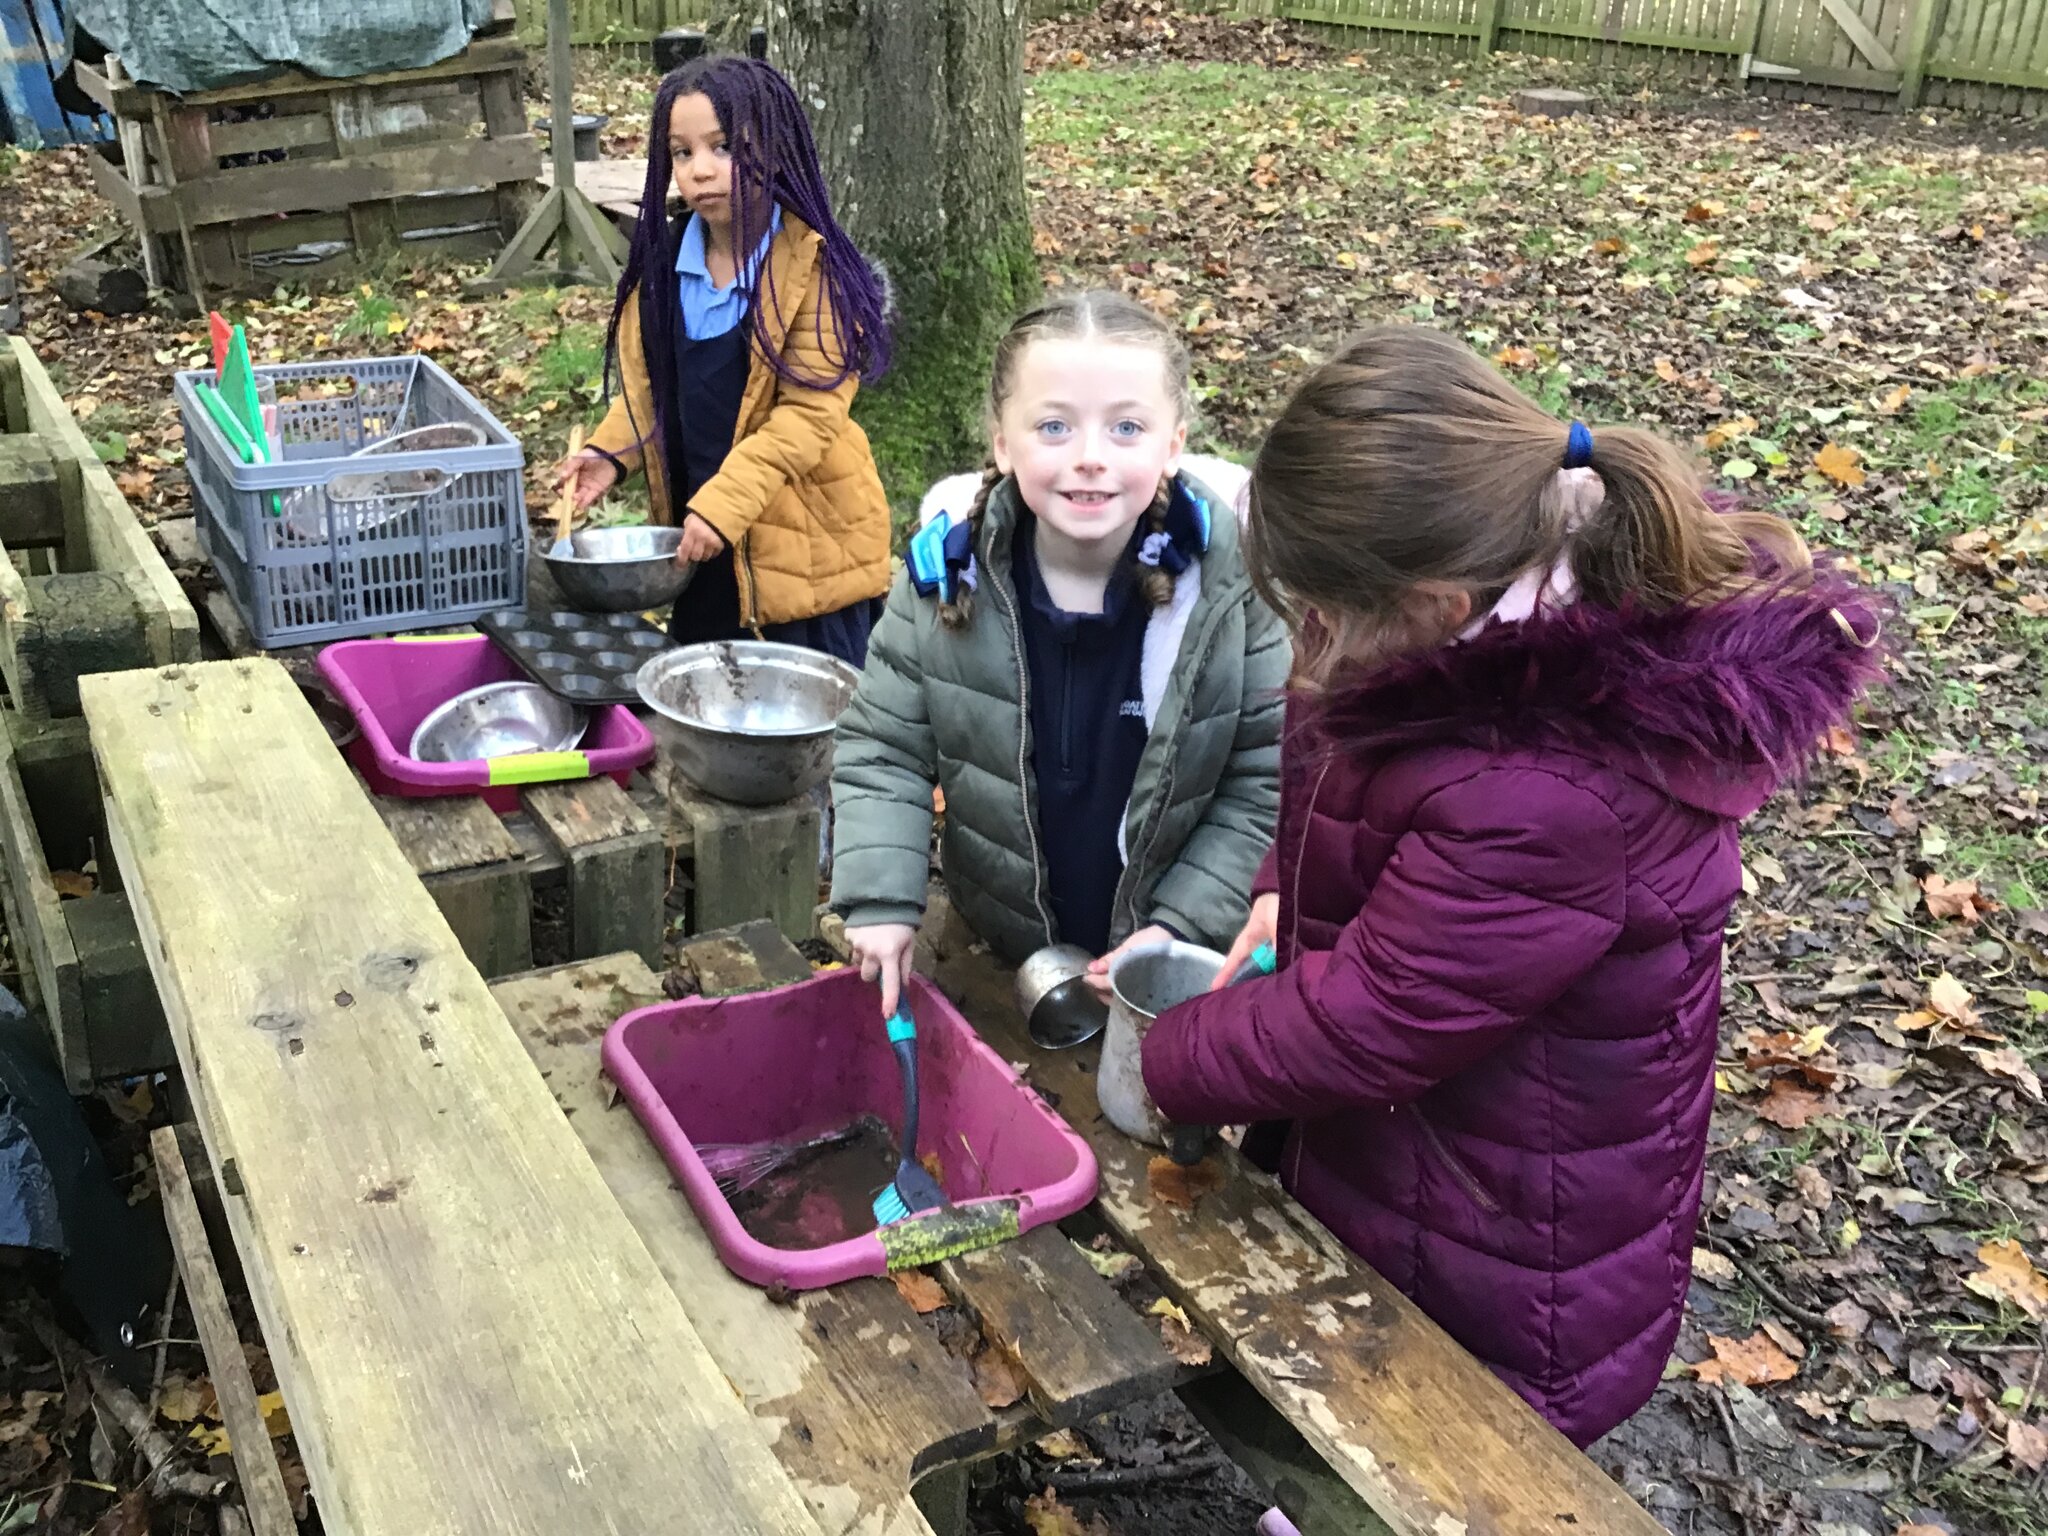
{"points": [[743, 959], [1421, 1431], [1274, 1455], [263, 1495], [115, 541], [13, 400], [615, 862], [1851, 21], [849, 1386], [1083, 1349], [35, 919], [257, 191], [469, 1333], [125, 1031]]}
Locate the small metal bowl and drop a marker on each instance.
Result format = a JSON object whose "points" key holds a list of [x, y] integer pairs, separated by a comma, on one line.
{"points": [[499, 720], [367, 500], [1058, 1005], [748, 721], [619, 570]]}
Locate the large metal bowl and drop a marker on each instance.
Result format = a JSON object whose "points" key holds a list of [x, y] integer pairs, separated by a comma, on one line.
{"points": [[499, 720], [619, 570], [748, 720]]}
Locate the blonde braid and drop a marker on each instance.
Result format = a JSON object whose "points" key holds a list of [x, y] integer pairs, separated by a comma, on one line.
{"points": [[1154, 582], [954, 615]]}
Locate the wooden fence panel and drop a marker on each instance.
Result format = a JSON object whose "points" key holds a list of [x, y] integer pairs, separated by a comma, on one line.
{"points": [[1989, 55]]}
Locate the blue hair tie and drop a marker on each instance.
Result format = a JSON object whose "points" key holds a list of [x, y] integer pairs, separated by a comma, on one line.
{"points": [[1578, 446]]}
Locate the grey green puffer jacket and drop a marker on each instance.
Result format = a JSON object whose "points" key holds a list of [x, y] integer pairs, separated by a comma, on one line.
{"points": [[948, 707]]}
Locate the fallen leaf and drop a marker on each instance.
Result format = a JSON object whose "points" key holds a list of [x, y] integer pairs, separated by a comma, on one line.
{"points": [[1784, 1338], [1609, 247], [1045, 1515], [1721, 436], [1064, 1445], [70, 882], [2009, 1064], [920, 1290], [1667, 370], [1791, 1106], [1954, 898], [1950, 998], [1816, 1406], [1515, 357], [1921, 1530], [1705, 254], [183, 1401], [130, 1517], [1846, 1320], [1180, 1186], [210, 1440], [1767, 868], [1184, 1344], [2008, 1275], [2026, 1445], [1842, 465], [275, 1418], [997, 1377], [1753, 1362], [1712, 1267], [1702, 211], [1894, 402], [1915, 1411], [1109, 1263]]}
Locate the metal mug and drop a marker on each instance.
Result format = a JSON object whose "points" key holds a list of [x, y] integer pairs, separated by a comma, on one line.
{"points": [[1144, 983]]}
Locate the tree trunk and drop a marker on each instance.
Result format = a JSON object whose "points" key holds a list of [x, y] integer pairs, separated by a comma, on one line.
{"points": [[918, 107]]}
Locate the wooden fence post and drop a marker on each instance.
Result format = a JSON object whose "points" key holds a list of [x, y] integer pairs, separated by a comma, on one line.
{"points": [[1921, 29], [1489, 23]]}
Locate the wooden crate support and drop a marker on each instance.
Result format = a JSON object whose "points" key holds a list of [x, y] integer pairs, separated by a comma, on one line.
{"points": [[748, 861], [468, 1331], [475, 871], [438, 158], [110, 603], [614, 863], [80, 956]]}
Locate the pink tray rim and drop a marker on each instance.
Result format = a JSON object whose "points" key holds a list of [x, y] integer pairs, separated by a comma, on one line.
{"points": [[805, 1269]]}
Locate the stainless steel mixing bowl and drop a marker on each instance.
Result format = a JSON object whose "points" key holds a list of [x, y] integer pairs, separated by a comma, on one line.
{"points": [[748, 720], [499, 720], [619, 570]]}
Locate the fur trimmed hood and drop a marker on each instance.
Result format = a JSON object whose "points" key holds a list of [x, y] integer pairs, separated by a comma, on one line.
{"points": [[1714, 705]]}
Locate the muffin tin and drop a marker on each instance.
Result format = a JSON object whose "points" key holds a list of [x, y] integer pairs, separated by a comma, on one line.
{"points": [[591, 658]]}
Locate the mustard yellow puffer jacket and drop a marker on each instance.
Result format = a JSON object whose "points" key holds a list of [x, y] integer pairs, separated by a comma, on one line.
{"points": [[798, 497]]}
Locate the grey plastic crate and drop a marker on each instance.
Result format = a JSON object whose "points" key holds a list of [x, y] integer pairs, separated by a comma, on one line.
{"points": [[302, 569]]}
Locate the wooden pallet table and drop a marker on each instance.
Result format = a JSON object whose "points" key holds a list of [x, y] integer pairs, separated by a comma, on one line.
{"points": [[872, 1417], [300, 177], [469, 1334]]}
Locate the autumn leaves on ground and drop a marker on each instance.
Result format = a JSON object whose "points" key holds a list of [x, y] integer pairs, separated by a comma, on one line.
{"points": [[1848, 315]]}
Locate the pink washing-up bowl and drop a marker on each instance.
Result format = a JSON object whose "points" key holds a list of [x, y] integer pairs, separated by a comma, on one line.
{"points": [[784, 1065], [390, 686]]}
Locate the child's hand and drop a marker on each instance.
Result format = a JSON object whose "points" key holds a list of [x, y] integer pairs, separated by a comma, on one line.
{"points": [[590, 473], [883, 952], [1098, 970], [701, 542], [1258, 929]]}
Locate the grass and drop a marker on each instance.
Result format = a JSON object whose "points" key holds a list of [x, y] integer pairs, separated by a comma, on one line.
{"points": [[2001, 1506]]}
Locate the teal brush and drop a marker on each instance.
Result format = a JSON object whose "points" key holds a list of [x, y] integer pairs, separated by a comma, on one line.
{"points": [[913, 1189]]}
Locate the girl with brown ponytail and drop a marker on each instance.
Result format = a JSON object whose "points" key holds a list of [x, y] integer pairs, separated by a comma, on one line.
{"points": [[1543, 680], [1074, 654]]}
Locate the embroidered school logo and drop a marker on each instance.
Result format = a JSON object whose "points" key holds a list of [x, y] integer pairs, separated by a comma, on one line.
{"points": [[1131, 709]]}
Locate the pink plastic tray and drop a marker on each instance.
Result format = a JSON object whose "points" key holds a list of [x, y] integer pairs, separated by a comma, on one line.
{"points": [[787, 1064], [390, 686]]}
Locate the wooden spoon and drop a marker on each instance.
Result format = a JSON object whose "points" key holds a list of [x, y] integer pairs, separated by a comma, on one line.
{"points": [[565, 503]]}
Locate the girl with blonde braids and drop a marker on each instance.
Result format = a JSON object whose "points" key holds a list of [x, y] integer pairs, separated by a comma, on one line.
{"points": [[1077, 658]]}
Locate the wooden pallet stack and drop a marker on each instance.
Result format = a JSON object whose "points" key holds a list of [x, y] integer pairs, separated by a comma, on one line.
{"points": [[299, 178], [82, 590]]}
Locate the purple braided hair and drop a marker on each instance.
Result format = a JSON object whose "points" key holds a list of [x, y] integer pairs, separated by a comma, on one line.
{"points": [[773, 151]]}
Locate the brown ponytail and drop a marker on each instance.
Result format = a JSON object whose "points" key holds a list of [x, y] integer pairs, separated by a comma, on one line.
{"points": [[1406, 459]]}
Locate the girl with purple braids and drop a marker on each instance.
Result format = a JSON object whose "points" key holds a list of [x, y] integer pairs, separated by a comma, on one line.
{"points": [[742, 329]]}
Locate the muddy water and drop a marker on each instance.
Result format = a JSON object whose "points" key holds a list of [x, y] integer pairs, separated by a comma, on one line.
{"points": [[824, 1197]]}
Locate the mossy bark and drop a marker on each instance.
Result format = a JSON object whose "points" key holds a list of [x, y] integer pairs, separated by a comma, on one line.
{"points": [[918, 109]]}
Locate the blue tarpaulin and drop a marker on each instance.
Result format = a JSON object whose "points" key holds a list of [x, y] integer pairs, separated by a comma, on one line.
{"points": [[34, 53], [194, 45]]}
